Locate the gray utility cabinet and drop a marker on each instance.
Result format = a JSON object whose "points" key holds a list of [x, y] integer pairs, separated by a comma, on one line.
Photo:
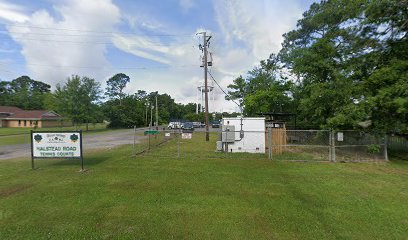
{"points": [[228, 133]]}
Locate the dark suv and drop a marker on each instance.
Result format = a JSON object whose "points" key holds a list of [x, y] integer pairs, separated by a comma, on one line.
{"points": [[215, 124], [188, 127]]}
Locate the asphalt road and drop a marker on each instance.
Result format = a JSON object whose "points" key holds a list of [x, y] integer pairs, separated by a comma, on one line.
{"points": [[103, 140]]}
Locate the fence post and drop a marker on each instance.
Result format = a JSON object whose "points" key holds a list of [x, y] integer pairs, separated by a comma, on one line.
{"points": [[330, 145], [269, 144], [334, 146], [178, 143], [134, 141], [385, 147], [148, 148], [272, 143]]}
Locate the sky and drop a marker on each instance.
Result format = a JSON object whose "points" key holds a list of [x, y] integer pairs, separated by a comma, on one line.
{"points": [[155, 43]]}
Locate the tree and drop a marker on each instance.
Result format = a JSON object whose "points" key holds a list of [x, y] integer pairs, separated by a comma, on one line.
{"points": [[341, 53], [92, 93], [5, 93], [238, 91], [129, 114], [263, 90], [78, 99], [23, 92], [115, 86]]}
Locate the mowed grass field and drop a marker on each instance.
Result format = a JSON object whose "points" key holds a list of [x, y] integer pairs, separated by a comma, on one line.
{"points": [[155, 196]]}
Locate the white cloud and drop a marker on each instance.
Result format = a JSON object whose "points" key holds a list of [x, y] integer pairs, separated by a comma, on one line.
{"points": [[244, 33], [142, 47], [51, 43], [12, 13], [249, 32], [139, 21], [254, 28], [186, 5]]}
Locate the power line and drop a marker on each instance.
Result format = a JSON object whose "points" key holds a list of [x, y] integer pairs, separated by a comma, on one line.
{"points": [[59, 34], [94, 31], [105, 37], [98, 67], [4, 70], [80, 42], [223, 89]]}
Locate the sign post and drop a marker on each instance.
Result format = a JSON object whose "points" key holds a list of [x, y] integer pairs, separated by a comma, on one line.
{"points": [[56, 144]]}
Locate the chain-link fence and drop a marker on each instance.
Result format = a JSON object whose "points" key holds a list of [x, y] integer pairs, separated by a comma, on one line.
{"points": [[358, 146], [326, 145], [299, 145], [176, 143], [398, 145], [273, 143]]}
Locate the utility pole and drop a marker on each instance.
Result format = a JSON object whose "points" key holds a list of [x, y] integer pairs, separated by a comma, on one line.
{"points": [[157, 113], [205, 63], [147, 106], [151, 116]]}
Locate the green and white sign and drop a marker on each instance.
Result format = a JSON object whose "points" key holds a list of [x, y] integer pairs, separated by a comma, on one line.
{"points": [[56, 144]]}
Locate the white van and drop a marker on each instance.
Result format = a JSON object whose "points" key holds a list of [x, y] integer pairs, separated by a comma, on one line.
{"points": [[174, 125]]}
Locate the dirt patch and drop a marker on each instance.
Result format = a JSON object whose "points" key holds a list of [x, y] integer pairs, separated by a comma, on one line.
{"points": [[13, 190]]}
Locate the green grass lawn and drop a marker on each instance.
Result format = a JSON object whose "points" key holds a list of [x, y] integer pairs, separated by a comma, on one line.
{"points": [[202, 196]]}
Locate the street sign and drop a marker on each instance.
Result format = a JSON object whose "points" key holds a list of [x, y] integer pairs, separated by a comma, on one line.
{"points": [[151, 132], [56, 144], [340, 136], [186, 136]]}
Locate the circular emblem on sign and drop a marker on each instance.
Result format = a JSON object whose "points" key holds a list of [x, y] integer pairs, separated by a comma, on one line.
{"points": [[74, 137], [38, 138]]}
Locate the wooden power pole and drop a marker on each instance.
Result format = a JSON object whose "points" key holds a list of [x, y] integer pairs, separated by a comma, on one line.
{"points": [[205, 64]]}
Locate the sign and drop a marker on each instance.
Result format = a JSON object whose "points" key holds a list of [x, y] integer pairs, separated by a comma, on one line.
{"points": [[167, 134], [340, 137], [186, 136], [58, 144], [151, 132]]}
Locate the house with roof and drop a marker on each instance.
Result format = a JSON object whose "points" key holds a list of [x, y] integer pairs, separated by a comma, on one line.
{"points": [[16, 117]]}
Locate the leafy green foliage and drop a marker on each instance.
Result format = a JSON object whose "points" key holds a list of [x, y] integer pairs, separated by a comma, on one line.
{"points": [[347, 62], [23, 92], [138, 109], [116, 85], [374, 148], [346, 55], [78, 99], [262, 91]]}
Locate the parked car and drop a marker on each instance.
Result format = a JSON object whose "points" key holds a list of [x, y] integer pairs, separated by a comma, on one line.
{"points": [[174, 125], [188, 126], [197, 124], [215, 124]]}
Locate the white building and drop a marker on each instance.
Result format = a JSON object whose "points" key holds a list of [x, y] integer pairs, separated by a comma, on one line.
{"points": [[242, 135]]}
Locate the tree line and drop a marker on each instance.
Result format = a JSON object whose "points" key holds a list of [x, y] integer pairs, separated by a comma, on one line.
{"points": [[345, 66], [82, 100]]}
